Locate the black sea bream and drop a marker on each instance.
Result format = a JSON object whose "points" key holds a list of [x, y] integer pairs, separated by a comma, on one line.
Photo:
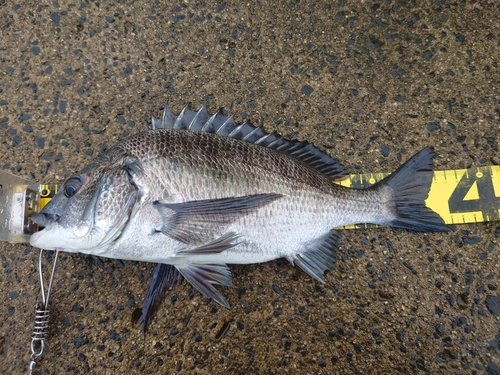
{"points": [[198, 192]]}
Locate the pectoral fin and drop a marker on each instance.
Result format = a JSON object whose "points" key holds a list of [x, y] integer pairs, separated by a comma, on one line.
{"points": [[204, 276], [196, 222]]}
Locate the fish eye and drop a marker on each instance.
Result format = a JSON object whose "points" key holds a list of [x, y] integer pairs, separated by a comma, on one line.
{"points": [[72, 185]]}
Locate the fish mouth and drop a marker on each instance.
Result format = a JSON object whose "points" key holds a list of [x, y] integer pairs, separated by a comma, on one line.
{"points": [[44, 219], [36, 239], [47, 240]]}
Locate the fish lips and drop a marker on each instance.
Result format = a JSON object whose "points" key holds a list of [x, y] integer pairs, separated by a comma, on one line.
{"points": [[44, 219], [38, 239], [56, 237]]}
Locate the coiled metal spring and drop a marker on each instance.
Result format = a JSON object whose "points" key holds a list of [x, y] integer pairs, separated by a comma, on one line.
{"points": [[41, 330], [42, 311]]}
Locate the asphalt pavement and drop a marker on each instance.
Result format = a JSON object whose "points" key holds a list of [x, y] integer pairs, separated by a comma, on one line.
{"points": [[369, 82]]}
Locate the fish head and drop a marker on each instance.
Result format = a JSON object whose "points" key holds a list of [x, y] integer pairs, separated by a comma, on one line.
{"points": [[89, 212]]}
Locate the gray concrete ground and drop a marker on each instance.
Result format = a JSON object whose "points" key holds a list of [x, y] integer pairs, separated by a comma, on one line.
{"points": [[370, 82]]}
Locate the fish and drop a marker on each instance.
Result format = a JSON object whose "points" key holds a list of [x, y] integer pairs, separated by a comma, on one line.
{"points": [[197, 192]]}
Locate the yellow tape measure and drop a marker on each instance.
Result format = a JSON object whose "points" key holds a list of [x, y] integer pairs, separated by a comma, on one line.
{"points": [[458, 196]]}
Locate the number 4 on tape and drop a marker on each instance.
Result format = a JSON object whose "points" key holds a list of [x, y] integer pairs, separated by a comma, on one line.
{"points": [[466, 195]]}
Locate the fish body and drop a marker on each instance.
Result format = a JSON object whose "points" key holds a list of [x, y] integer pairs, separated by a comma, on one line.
{"points": [[200, 192]]}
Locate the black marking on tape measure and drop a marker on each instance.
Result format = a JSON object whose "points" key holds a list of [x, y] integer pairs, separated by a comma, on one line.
{"points": [[487, 202]]}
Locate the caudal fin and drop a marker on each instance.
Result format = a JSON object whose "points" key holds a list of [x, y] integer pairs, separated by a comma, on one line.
{"points": [[410, 185]]}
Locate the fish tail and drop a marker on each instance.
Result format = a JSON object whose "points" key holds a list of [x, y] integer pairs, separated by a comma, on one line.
{"points": [[409, 186]]}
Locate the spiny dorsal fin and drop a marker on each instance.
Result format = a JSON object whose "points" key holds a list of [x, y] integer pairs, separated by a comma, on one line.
{"points": [[220, 124]]}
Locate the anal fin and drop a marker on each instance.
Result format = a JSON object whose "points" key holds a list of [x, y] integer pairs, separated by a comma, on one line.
{"points": [[319, 256], [204, 276]]}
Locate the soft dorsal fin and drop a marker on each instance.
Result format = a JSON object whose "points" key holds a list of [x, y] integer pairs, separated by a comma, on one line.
{"points": [[218, 123]]}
